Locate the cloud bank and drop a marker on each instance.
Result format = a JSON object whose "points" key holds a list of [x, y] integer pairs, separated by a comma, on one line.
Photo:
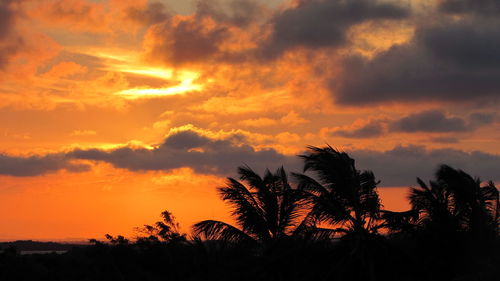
{"points": [[427, 121], [207, 155], [448, 59]]}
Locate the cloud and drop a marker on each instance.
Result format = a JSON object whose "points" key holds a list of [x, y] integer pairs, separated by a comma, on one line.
{"points": [[216, 31], [293, 119], [258, 122], [190, 149], [185, 40], [429, 121], [76, 15], [10, 41], [65, 69], [290, 119], [222, 155], [236, 31], [37, 165], [7, 19], [482, 118], [239, 13], [480, 7], [372, 128], [154, 12], [78, 133], [321, 23], [401, 165], [445, 140], [453, 60]]}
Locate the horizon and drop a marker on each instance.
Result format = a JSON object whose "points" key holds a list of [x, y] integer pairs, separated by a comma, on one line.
{"points": [[113, 111]]}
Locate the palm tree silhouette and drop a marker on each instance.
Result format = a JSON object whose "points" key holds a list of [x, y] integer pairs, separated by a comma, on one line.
{"points": [[267, 210], [341, 195], [456, 202]]}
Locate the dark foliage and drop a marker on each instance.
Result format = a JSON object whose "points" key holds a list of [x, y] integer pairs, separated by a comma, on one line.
{"points": [[269, 209]]}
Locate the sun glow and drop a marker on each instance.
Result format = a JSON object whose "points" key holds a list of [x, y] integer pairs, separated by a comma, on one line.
{"points": [[153, 72], [184, 87]]}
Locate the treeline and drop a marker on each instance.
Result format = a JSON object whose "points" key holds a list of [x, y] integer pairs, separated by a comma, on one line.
{"points": [[326, 223]]}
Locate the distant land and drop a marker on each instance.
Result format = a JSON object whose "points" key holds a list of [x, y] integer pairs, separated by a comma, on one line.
{"points": [[29, 245]]}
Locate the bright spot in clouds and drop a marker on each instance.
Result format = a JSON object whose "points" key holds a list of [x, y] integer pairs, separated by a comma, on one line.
{"points": [[184, 87]]}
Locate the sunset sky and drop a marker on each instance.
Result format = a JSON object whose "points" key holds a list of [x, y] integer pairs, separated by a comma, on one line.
{"points": [[112, 111]]}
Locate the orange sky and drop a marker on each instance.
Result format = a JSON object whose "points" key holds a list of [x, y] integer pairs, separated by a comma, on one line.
{"points": [[112, 111]]}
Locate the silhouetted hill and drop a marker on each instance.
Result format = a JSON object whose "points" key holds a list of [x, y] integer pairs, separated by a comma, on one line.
{"points": [[29, 245]]}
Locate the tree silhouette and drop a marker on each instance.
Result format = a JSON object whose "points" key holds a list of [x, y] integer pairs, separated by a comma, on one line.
{"points": [[456, 202], [341, 195], [166, 230], [266, 210]]}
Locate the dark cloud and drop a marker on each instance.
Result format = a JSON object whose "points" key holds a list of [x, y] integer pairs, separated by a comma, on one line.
{"points": [[6, 19], [401, 165], [480, 7], [10, 42], [186, 41], [481, 118], [429, 121], [450, 61], [397, 167], [373, 128], [199, 37], [448, 140], [469, 45], [37, 165], [189, 149], [239, 13], [323, 23], [153, 13], [436, 121]]}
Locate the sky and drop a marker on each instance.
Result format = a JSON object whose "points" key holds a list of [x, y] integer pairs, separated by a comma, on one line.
{"points": [[112, 111]]}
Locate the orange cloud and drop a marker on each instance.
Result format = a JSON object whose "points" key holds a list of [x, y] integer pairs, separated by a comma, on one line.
{"points": [[65, 69]]}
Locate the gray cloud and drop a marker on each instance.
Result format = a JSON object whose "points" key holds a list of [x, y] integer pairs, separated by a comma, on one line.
{"points": [[323, 23], [6, 19], [239, 13], [429, 121], [445, 140], [449, 61], [187, 41], [191, 41], [154, 12], [312, 24], [373, 128], [396, 167], [401, 165], [481, 118], [10, 42], [480, 7], [189, 149], [37, 165]]}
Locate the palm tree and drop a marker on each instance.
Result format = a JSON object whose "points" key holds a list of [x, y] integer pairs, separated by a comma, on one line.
{"points": [[267, 209], [456, 202], [346, 200], [342, 196]]}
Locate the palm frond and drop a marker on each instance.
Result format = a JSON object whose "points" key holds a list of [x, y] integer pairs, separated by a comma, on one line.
{"points": [[246, 209], [217, 230]]}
